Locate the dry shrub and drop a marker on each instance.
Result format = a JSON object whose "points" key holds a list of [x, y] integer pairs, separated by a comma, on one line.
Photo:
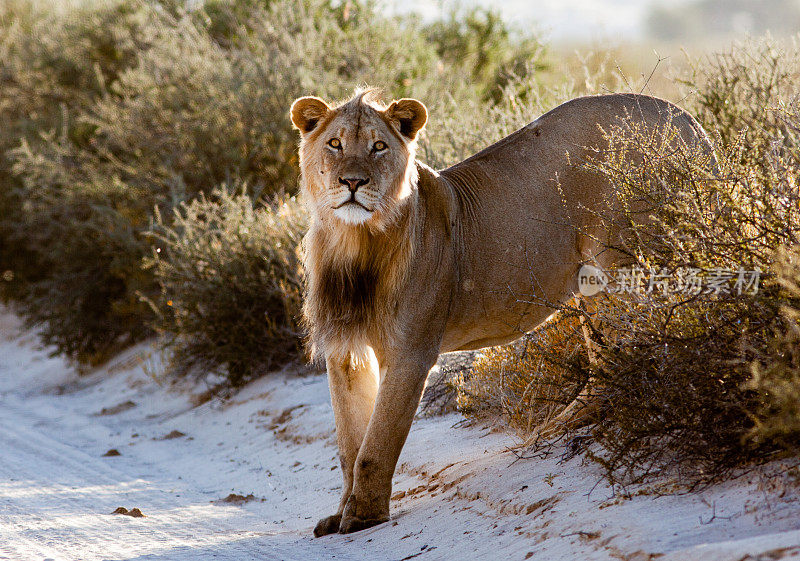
{"points": [[674, 373], [525, 382], [776, 371], [693, 382], [675, 363], [231, 285], [742, 93], [673, 383]]}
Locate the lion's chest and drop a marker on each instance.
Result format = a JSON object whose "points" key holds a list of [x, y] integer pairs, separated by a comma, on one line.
{"points": [[348, 295]]}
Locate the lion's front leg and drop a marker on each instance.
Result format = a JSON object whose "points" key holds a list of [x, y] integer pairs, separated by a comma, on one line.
{"points": [[398, 398], [353, 389]]}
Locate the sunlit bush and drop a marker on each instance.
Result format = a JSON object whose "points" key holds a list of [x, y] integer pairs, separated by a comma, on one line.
{"points": [[776, 370]]}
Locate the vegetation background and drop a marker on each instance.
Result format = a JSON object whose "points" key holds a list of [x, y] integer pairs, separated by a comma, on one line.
{"points": [[148, 181]]}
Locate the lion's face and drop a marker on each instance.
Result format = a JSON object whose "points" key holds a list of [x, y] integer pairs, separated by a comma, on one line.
{"points": [[357, 159]]}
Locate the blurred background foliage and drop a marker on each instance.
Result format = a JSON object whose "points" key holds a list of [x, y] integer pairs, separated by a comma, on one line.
{"points": [[702, 19]]}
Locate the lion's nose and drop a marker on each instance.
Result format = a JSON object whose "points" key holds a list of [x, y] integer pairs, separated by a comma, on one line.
{"points": [[353, 183]]}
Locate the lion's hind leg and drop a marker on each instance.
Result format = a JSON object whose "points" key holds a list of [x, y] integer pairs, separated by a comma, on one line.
{"points": [[587, 405]]}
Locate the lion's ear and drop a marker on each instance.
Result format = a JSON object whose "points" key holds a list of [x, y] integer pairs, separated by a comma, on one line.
{"points": [[408, 115], [306, 113]]}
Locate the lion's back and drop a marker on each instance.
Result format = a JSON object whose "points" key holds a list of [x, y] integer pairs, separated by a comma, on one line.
{"points": [[594, 112], [583, 122]]}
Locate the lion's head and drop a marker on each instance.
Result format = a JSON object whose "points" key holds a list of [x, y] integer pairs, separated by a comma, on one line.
{"points": [[359, 180], [357, 159]]}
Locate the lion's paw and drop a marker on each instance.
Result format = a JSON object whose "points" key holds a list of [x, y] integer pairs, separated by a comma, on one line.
{"points": [[328, 525], [350, 524], [357, 517]]}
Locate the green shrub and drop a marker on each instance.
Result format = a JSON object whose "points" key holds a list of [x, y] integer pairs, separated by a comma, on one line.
{"points": [[478, 44], [52, 65], [231, 284], [89, 191], [85, 235]]}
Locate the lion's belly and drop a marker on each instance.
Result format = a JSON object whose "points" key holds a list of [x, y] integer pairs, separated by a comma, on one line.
{"points": [[487, 330], [512, 294]]}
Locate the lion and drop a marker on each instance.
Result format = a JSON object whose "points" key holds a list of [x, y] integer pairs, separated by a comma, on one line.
{"points": [[403, 262]]}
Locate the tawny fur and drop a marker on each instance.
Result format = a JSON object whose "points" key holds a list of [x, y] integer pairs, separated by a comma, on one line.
{"points": [[421, 262]]}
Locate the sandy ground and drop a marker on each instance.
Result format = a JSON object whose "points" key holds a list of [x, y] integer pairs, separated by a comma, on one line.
{"points": [[247, 478]]}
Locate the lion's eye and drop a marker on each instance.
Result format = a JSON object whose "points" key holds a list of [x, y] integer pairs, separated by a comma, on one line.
{"points": [[379, 146], [335, 143]]}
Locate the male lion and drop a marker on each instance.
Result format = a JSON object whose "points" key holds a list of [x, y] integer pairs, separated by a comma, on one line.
{"points": [[404, 262]]}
